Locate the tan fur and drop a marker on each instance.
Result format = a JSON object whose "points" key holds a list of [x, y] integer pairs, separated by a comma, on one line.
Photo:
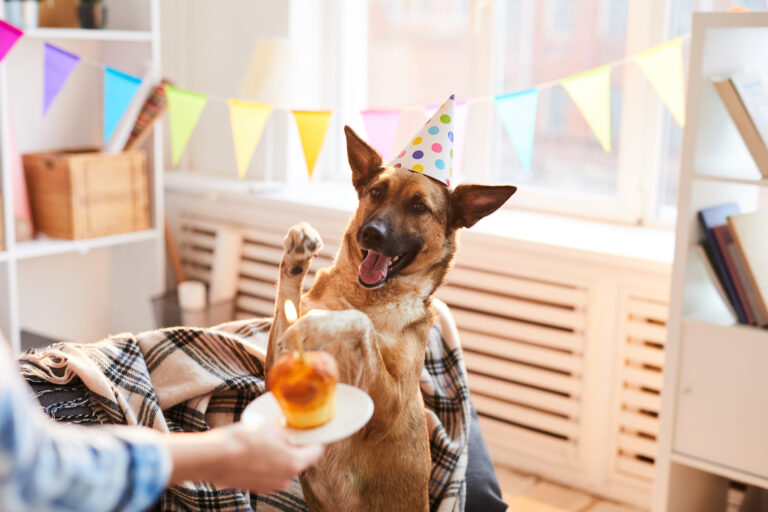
{"points": [[377, 335]]}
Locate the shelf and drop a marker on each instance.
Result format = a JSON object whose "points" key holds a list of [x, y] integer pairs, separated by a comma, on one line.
{"points": [[89, 34], [722, 320], [724, 471], [48, 246], [738, 181]]}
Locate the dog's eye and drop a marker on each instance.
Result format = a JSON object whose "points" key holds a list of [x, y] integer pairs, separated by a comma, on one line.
{"points": [[419, 207], [375, 193]]}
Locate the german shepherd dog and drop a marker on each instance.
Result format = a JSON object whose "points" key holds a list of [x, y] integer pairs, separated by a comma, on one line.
{"points": [[372, 311]]}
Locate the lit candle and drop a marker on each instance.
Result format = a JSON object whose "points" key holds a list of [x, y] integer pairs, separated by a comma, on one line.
{"points": [[290, 314]]}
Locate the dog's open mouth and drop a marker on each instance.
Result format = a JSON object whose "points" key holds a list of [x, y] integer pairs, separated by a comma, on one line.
{"points": [[376, 268]]}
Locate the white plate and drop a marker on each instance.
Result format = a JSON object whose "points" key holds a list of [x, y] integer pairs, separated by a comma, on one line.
{"points": [[353, 410]]}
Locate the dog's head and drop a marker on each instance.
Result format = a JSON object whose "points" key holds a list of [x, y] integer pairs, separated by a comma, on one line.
{"points": [[406, 222]]}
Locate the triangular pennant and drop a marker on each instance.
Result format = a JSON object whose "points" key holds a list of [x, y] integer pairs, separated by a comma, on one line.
{"points": [[184, 109], [8, 37], [119, 90], [460, 132], [663, 66], [591, 91], [312, 126], [518, 114], [58, 65], [248, 119], [381, 126]]}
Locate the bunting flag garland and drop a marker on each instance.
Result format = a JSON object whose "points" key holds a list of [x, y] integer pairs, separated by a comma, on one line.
{"points": [[8, 37], [184, 109], [518, 114], [663, 66], [248, 119], [591, 91], [119, 90], [381, 126], [58, 65], [312, 126]]}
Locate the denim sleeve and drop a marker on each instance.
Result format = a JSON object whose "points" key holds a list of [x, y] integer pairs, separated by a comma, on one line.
{"points": [[48, 466]]}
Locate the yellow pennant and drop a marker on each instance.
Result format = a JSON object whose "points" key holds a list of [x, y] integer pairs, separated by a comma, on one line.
{"points": [[312, 127], [591, 91], [248, 119], [663, 66]]}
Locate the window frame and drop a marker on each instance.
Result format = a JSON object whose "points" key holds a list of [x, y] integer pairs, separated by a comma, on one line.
{"points": [[637, 188]]}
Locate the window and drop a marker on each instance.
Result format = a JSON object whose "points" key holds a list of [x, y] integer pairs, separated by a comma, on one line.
{"points": [[420, 51]]}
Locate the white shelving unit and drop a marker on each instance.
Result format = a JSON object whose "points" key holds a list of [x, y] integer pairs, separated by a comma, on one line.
{"points": [[714, 417], [80, 290]]}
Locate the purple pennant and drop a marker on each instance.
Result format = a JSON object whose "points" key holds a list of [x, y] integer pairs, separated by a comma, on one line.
{"points": [[59, 64], [8, 37]]}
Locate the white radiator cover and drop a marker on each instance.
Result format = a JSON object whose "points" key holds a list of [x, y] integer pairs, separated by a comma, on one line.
{"points": [[564, 348]]}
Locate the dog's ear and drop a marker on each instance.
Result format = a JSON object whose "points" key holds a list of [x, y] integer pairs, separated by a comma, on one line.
{"points": [[470, 203], [363, 159]]}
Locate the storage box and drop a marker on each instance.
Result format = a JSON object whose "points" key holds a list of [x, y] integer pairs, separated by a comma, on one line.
{"points": [[76, 195]]}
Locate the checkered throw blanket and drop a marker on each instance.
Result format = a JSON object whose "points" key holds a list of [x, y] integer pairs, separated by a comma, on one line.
{"points": [[187, 380]]}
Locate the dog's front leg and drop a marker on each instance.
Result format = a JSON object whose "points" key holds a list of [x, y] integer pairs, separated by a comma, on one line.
{"points": [[300, 245], [349, 336]]}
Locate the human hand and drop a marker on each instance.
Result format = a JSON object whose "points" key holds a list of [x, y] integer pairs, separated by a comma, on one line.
{"points": [[250, 457]]}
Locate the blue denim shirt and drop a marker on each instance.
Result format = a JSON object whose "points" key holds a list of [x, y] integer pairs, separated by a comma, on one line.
{"points": [[48, 466]]}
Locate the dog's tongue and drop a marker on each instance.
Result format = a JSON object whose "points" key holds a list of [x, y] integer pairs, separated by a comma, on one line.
{"points": [[374, 268]]}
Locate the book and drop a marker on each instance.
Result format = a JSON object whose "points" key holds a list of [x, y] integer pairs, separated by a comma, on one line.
{"points": [[742, 274], [152, 110], [706, 259], [725, 242], [745, 96], [709, 218], [750, 230]]}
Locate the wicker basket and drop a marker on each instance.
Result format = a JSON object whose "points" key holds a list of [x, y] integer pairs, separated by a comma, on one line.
{"points": [[77, 195]]}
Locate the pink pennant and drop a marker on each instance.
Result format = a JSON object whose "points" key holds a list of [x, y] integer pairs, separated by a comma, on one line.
{"points": [[460, 129], [8, 37], [381, 126]]}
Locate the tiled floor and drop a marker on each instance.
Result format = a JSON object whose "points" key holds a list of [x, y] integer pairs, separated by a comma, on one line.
{"points": [[526, 493]]}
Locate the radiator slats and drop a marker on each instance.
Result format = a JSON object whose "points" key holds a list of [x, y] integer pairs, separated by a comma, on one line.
{"points": [[640, 365], [637, 445], [523, 353], [509, 285], [255, 307], [555, 403], [645, 331], [504, 436], [642, 399], [522, 373], [639, 422], [635, 467], [510, 307], [495, 326], [649, 309], [644, 354], [525, 416], [643, 378]]}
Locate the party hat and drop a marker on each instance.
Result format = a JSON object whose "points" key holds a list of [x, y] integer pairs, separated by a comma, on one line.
{"points": [[430, 151]]}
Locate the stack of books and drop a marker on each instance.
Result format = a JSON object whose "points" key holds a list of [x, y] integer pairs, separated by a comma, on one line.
{"points": [[735, 253]]}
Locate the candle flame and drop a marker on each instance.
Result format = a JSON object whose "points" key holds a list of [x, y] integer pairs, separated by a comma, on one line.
{"points": [[290, 311]]}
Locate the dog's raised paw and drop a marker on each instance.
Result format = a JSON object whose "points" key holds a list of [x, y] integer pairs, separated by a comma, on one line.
{"points": [[301, 244]]}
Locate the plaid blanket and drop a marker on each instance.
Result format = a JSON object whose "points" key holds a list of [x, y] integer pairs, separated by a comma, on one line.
{"points": [[186, 380]]}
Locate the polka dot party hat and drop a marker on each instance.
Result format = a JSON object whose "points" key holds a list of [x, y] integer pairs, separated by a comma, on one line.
{"points": [[430, 152]]}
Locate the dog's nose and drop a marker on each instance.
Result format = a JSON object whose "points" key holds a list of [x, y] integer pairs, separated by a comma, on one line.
{"points": [[374, 234]]}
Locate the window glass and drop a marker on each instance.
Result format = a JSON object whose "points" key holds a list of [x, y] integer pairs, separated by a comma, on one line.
{"points": [[672, 134], [555, 44]]}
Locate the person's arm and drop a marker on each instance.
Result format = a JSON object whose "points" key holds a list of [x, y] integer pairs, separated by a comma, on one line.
{"points": [[47, 466]]}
